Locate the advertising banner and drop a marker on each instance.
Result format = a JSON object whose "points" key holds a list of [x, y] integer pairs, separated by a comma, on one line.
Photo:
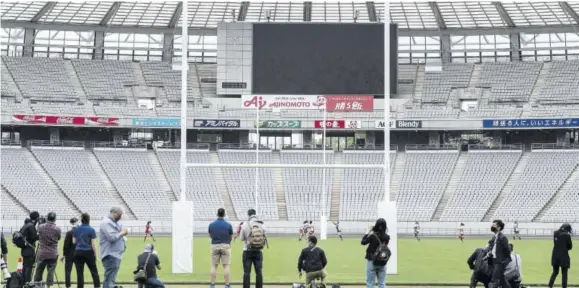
{"points": [[48, 120], [330, 124], [350, 103], [532, 123], [216, 123], [157, 122], [297, 102], [380, 124], [400, 124], [279, 124], [102, 121]]}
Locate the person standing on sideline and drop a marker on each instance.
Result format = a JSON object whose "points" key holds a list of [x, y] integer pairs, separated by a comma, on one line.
{"points": [[28, 253], [500, 254], [68, 252], [254, 239], [562, 243], [49, 235], [220, 232], [112, 245], [375, 237], [313, 261], [84, 239]]}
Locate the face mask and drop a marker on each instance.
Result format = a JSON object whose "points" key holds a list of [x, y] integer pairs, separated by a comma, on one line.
{"points": [[494, 229]]}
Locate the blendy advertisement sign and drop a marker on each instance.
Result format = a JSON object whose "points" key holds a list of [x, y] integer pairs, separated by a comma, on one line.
{"points": [[400, 124]]}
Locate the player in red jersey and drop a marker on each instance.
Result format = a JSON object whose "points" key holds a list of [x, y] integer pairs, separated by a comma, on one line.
{"points": [[148, 230], [461, 231], [238, 231]]}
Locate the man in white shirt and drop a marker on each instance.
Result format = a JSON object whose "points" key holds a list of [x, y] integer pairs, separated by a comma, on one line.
{"points": [[514, 270]]}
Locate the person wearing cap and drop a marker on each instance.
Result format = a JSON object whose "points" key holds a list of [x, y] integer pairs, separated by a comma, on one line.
{"points": [[49, 235], [68, 252], [30, 234], [149, 261]]}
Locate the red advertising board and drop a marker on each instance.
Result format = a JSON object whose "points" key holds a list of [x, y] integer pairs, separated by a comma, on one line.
{"points": [[330, 124], [102, 121], [49, 120], [350, 103]]}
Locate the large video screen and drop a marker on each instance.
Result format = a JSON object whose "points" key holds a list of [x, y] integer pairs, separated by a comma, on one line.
{"points": [[310, 59]]}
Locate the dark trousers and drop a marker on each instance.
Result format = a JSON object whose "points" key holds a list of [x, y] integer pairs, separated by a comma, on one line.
{"points": [[82, 257], [555, 273], [498, 278], [28, 259], [68, 261], [474, 281], [49, 264], [254, 258]]}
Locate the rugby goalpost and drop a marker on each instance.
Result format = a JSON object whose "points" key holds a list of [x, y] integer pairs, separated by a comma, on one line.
{"points": [[183, 214]]}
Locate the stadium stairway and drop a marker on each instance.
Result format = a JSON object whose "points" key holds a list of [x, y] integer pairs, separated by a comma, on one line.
{"points": [[419, 85], [96, 165], [59, 192], [540, 83], [14, 199], [451, 185], [560, 193], [279, 187], [337, 178], [220, 180], [71, 73], [508, 188], [396, 174], [161, 177], [476, 76]]}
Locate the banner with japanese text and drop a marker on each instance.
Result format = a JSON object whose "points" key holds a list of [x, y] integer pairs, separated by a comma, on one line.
{"points": [[532, 123], [216, 123], [330, 124], [157, 122], [268, 124], [286, 102], [350, 103]]}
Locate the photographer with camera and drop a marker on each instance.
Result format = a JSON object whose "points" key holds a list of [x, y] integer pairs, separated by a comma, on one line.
{"points": [[25, 239], [68, 252], [313, 261], [49, 235], [560, 257], [377, 253]]}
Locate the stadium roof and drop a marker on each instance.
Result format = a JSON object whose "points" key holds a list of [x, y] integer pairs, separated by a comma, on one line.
{"points": [[428, 18]]}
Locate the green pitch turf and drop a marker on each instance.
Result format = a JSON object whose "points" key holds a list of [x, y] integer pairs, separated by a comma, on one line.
{"points": [[433, 260]]}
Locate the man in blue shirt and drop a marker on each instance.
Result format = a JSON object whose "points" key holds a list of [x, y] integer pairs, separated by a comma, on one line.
{"points": [[220, 232], [112, 245]]}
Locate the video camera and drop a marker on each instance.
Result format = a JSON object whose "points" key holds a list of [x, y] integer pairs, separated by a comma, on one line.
{"points": [[41, 220]]}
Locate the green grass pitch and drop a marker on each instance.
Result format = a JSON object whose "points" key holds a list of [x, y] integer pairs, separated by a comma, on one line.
{"points": [[433, 260]]}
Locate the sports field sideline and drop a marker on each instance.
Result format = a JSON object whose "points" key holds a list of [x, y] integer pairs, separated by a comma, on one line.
{"points": [[430, 261]]}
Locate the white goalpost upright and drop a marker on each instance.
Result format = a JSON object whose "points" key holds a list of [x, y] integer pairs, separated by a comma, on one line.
{"points": [[182, 218]]}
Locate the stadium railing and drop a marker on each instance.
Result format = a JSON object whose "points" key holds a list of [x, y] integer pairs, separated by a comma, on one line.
{"points": [[10, 142], [517, 147], [55, 144], [554, 146], [420, 147], [371, 147], [118, 145]]}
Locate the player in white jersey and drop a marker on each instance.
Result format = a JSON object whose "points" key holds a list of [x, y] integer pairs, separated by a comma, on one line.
{"points": [[337, 224], [461, 232], [304, 230], [516, 231], [311, 229], [416, 230]]}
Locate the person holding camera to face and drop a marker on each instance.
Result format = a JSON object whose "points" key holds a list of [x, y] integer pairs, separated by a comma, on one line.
{"points": [[28, 253], [377, 240], [562, 243], [49, 235]]}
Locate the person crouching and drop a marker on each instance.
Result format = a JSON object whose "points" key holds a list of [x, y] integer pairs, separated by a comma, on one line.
{"points": [[313, 261], [149, 261]]}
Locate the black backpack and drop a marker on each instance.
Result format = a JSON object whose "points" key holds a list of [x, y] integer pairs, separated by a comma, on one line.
{"points": [[482, 269], [19, 240], [382, 253], [15, 281]]}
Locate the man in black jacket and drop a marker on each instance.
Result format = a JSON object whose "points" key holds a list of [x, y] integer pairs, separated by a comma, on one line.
{"points": [[68, 252], [500, 255], [562, 243], [480, 270], [28, 253], [313, 261]]}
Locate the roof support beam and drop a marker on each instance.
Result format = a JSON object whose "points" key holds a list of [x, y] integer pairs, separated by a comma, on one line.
{"points": [[371, 11], [307, 11], [437, 15], [47, 8], [243, 11], [176, 15], [107, 29], [504, 15], [110, 14], [565, 6]]}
